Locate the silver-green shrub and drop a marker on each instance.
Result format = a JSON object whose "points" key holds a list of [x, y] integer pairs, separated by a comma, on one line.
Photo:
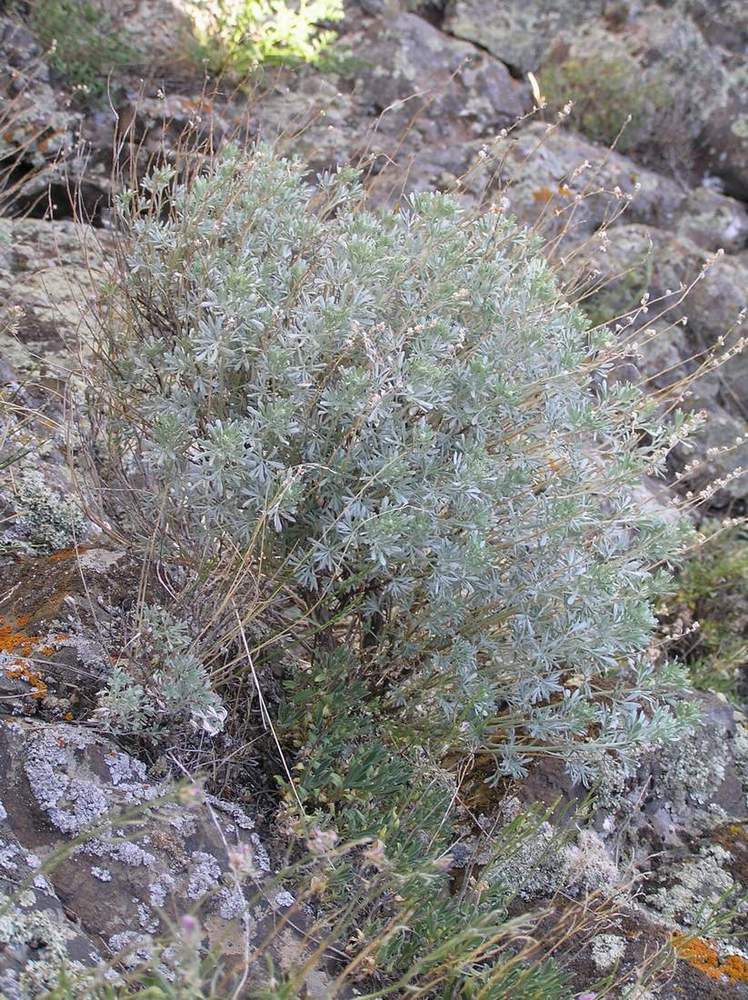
{"points": [[402, 438], [163, 685]]}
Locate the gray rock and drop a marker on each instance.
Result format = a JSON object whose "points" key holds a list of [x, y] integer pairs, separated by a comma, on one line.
{"points": [[412, 118], [665, 65], [713, 221], [445, 83], [40, 137], [21, 50], [695, 307], [717, 455], [726, 135], [49, 275], [519, 31], [723, 23], [99, 861], [560, 182]]}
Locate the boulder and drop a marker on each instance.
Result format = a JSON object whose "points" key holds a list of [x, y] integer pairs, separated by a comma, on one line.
{"points": [[561, 183], [52, 175], [98, 862], [656, 68], [712, 221], [677, 71], [696, 308], [409, 111], [55, 612], [517, 32], [437, 84], [50, 273]]}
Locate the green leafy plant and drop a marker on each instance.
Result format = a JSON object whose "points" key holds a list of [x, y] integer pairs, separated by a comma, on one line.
{"points": [[85, 46], [390, 433], [237, 36], [713, 593]]}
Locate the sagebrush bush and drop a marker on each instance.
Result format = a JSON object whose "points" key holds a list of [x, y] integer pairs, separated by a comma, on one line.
{"points": [[161, 682], [390, 432]]}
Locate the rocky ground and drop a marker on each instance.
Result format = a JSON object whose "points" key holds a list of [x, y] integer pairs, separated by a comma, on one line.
{"points": [[424, 96]]}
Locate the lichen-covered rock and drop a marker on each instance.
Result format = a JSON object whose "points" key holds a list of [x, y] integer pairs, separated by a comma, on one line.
{"points": [[39, 135], [547, 862], [87, 835], [559, 181], [56, 613], [607, 950], [49, 276], [426, 80], [159, 127], [726, 134], [655, 67], [697, 891], [647, 274], [518, 32], [723, 23], [158, 32], [37, 937], [677, 71], [313, 116], [409, 110], [665, 845], [713, 221]]}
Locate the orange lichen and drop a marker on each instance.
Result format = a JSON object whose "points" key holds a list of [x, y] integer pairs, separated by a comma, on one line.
{"points": [[20, 672], [72, 552], [543, 195], [61, 554], [704, 956], [19, 645], [14, 642]]}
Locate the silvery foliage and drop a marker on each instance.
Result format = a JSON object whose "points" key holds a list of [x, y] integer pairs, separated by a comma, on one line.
{"points": [[414, 434], [161, 682]]}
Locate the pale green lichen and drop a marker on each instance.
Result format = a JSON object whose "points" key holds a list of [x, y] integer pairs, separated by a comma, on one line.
{"points": [[694, 769], [48, 520], [205, 873], [607, 950], [610, 785], [740, 127], [544, 864], [71, 804], [39, 937], [535, 869], [700, 888]]}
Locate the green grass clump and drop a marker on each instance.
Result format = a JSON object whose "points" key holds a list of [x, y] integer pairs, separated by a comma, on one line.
{"points": [[713, 588], [85, 47], [236, 37], [607, 92]]}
